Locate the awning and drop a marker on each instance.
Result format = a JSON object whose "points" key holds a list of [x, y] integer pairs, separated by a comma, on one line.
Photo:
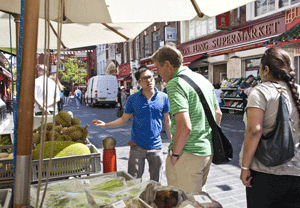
{"points": [[290, 36], [188, 60], [121, 78], [5, 72]]}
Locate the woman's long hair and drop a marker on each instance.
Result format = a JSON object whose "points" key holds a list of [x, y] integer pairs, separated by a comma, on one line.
{"points": [[279, 63]]}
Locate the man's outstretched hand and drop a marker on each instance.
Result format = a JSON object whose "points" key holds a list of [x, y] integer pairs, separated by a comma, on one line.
{"points": [[98, 123]]}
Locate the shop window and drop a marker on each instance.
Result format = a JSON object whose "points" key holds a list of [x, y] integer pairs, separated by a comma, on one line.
{"points": [[297, 69], [125, 52], [146, 46], [137, 47], [267, 7], [155, 41]]}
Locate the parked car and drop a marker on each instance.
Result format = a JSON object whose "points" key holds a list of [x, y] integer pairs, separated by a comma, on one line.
{"points": [[101, 89]]}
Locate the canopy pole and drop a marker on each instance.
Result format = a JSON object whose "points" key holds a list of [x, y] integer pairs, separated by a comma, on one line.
{"points": [[196, 7], [26, 102], [115, 31], [17, 21]]}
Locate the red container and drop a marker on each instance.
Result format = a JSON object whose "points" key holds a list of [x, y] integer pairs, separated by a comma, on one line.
{"points": [[109, 161]]}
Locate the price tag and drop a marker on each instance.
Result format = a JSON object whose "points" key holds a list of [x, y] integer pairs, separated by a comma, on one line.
{"points": [[119, 204], [202, 199]]}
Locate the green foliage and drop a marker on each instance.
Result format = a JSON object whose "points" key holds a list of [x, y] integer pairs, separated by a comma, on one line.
{"points": [[73, 72]]}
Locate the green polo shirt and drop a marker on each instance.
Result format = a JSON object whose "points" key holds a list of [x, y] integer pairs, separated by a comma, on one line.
{"points": [[182, 98]]}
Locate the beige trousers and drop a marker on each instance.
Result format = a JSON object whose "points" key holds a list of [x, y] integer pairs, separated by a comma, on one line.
{"points": [[189, 173]]}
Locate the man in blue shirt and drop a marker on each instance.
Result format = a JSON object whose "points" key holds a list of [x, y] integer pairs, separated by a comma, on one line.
{"points": [[150, 109]]}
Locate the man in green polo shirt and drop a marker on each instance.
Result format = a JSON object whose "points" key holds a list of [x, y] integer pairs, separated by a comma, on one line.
{"points": [[191, 149]]}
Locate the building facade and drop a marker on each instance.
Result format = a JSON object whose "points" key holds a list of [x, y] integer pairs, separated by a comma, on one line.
{"points": [[236, 52]]}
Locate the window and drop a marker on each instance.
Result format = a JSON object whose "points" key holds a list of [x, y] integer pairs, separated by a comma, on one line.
{"points": [[297, 69], [146, 46], [263, 7], [130, 51], [199, 28], [137, 47], [295, 1], [192, 30], [155, 41], [125, 52]]}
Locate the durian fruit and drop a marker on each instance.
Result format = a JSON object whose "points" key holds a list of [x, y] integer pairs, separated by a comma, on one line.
{"points": [[63, 138], [59, 129], [75, 121], [85, 132], [77, 132], [36, 138], [49, 126], [63, 118], [49, 135], [61, 149]]}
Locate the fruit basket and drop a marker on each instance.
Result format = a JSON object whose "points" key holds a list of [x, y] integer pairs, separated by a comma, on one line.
{"points": [[61, 167]]}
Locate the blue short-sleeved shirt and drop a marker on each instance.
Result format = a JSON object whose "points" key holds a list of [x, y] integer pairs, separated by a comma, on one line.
{"points": [[147, 118]]}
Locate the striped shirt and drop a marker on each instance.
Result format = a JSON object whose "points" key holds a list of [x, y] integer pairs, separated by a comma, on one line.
{"points": [[183, 98]]}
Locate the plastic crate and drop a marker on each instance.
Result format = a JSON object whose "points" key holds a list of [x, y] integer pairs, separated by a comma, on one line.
{"points": [[61, 167], [5, 197], [69, 166]]}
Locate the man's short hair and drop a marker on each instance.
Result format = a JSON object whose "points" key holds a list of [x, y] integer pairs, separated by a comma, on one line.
{"points": [[168, 53], [140, 70]]}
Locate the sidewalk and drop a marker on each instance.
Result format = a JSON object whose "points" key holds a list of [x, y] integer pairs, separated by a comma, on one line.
{"points": [[223, 182]]}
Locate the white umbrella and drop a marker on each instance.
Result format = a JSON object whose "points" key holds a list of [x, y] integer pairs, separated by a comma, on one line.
{"points": [[115, 11], [75, 35]]}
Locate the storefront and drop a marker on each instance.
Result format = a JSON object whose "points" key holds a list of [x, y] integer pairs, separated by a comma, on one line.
{"points": [[232, 54]]}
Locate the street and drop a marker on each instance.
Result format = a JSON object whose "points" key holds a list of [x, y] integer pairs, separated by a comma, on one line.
{"points": [[223, 183]]}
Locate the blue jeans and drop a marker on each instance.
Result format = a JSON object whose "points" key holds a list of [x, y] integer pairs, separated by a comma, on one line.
{"points": [[77, 102], [136, 162]]}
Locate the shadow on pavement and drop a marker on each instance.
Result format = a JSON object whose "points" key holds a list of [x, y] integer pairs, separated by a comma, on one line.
{"points": [[232, 126]]}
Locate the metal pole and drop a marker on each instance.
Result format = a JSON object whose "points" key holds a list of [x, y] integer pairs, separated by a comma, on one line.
{"points": [[17, 21], [26, 101]]}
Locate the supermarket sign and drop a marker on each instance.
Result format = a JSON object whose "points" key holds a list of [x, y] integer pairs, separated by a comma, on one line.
{"points": [[251, 33]]}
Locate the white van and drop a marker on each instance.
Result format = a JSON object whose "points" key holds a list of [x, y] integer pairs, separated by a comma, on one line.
{"points": [[101, 89]]}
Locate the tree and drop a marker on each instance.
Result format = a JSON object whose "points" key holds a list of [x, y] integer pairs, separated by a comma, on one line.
{"points": [[73, 72]]}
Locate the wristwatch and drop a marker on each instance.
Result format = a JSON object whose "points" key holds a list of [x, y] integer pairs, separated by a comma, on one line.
{"points": [[173, 155]]}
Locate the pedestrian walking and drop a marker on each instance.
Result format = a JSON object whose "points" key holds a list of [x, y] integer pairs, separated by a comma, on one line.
{"points": [[67, 94], [277, 186], [77, 96], [150, 110], [190, 151]]}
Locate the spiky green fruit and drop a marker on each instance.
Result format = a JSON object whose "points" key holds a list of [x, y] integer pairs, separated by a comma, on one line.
{"points": [[63, 118], [75, 121]]}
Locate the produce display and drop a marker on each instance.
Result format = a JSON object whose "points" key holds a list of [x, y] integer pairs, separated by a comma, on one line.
{"points": [[66, 128], [102, 191]]}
